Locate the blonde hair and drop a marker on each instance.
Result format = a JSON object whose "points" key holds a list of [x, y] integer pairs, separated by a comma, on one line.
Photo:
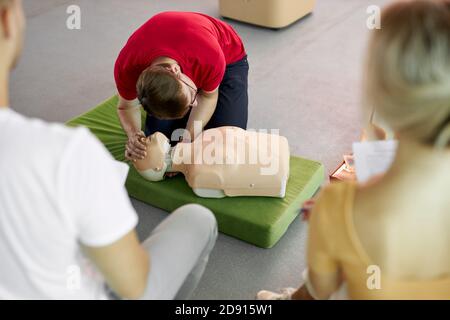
{"points": [[408, 70]]}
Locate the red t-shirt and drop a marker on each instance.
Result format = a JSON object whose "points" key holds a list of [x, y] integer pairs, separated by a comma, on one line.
{"points": [[201, 45]]}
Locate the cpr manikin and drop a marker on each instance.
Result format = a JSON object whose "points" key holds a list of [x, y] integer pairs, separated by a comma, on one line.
{"points": [[220, 162]]}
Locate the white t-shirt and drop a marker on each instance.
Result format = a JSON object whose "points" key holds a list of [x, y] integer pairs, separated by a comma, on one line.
{"points": [[59, 187]]}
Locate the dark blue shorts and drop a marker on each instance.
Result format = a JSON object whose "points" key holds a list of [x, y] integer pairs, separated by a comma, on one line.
{"points": [[232, 105]]}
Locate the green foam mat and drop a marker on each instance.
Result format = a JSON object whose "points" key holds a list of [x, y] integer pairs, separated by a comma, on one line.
{"points": [[261, 221]]}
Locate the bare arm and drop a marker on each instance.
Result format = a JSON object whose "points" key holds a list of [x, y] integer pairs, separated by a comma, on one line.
{"points": [[124, 264], [207, 102], [324, 275], [129, 115], [130, 118]]}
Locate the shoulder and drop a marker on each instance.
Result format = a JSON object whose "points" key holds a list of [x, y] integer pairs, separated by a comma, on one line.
{"points": [[39, 135], [56, 139], [34, 145], [58, 136]]}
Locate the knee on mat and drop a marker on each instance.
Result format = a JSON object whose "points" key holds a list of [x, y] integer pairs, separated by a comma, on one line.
{"points": [[199, 216]]}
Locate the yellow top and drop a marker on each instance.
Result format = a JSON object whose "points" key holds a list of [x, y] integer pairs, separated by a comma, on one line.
{"points": [[335, 244]]}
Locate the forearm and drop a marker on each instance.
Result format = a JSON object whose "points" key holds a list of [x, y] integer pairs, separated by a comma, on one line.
{"points": [[130, 117], [201, 113], [124, 264]]}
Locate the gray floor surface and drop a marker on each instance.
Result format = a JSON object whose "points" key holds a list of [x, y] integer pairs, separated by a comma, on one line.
{"points": [[304, 80]]}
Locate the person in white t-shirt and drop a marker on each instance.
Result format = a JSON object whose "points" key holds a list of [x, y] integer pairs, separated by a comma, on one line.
{"points": [[66, 222]]}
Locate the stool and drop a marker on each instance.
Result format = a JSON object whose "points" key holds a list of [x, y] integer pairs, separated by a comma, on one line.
{"points": [[274, 14]]}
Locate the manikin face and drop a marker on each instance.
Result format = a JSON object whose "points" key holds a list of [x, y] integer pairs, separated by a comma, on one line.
{"points": [[158, 146], [158, 157]]}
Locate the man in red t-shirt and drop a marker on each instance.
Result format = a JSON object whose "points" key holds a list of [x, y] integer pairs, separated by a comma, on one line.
{"points": [[182, 67]]}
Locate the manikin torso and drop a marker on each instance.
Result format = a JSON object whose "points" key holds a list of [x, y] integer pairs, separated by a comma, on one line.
{"points": [[225, 161]]}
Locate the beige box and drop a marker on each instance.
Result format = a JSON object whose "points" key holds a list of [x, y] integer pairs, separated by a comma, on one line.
{"points": [[268, 13]]}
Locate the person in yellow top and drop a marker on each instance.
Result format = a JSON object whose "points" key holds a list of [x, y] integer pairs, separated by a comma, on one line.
{"points": [[390, 238]]}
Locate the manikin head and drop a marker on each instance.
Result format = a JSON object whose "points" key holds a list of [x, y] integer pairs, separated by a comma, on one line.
{"points": [[158, 160]]}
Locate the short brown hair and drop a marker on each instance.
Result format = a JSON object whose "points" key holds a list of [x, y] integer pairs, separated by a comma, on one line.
{"points": [[160, 93]]}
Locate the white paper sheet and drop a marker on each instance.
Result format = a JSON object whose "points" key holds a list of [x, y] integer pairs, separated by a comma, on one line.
{"points": [[373, 158]]}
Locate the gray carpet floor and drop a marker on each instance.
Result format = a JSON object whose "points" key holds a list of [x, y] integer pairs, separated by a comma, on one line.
{"points": [[304, 80]]}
